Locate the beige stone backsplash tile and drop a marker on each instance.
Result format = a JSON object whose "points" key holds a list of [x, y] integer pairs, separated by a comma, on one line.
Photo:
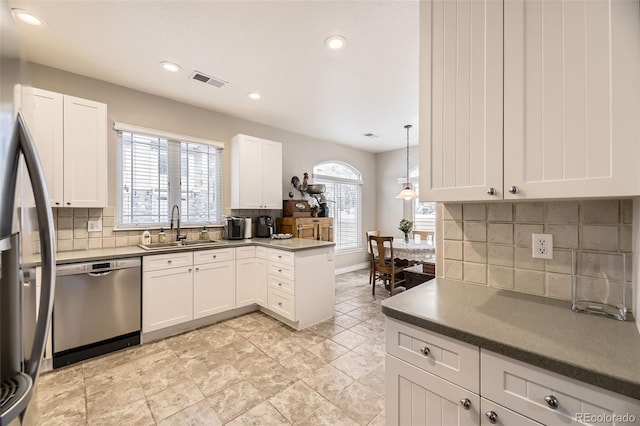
{"points": [[599, 237], [65, 234], [80, 223], [561, 262], [524, 260], [108, 242], [80, 244], [627, 211], [108, 221], [80, 233], [498, 276], [500, 255], [64, 212], [475, 231], [64, 245], [475, 252], [122, 241], [564, 236], [453, 269], [132, 241], [65, 223], [452, 211], [107, 232], [474, 211], [531, 282], [453, 250], [475, 272], [561, 212], [501, 233], [522, 234], [600, 212], [501, 212], [81, 213], [452, 230], [530, 212], [626, 238], [558, 286], [95, 214], [95, 243], [603, 265]]}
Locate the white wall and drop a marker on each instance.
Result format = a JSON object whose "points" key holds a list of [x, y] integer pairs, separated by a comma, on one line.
{"points": [[636, 261], [300, 152], [391, 166]]}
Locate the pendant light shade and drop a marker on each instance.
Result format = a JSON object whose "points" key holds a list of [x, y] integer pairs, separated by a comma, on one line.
{"points": [[407, 193]]}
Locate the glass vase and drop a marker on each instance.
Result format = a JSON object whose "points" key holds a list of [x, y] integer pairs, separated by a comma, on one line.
{"points": [[406, 238]]}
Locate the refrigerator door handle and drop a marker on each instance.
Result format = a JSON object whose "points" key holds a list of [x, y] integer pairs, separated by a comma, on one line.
{"points": [[47, 243]]}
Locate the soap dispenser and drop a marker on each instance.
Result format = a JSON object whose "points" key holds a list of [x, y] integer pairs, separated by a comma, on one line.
{"points": [[162, 236], [204, 235], [146, 237]]}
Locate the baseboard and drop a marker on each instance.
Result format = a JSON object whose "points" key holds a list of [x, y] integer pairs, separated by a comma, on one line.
{"points": [[351, 268]]}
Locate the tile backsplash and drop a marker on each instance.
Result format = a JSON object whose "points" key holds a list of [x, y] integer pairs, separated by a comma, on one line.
{"points": [[490, 243], [71, 226]]}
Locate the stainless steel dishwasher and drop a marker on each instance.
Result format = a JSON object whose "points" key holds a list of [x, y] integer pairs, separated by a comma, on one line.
{"points": [[96, 309]]}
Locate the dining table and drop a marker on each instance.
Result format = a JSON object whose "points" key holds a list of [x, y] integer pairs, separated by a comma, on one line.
{"points": [[424, 251]]}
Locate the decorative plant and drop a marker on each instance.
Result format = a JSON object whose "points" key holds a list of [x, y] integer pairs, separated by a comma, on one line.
{"points": [[406, 226], [314, 209]]}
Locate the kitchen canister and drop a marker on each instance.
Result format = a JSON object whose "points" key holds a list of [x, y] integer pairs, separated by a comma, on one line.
{"points": [[247, 227]]}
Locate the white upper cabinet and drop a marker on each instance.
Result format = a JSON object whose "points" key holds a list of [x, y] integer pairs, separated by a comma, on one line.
{"points": [[256, 173], [71, 137], [571, 96], [460, 99]]}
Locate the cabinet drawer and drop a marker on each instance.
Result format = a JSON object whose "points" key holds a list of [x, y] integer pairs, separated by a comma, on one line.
{"points": [[450, 359], [415, 397], [281, 303], [164, 261], [245, 252], [281, 270], [211, 256], [523, 388], [503, 416], [281, 284], [262, 252], [280, 256]]}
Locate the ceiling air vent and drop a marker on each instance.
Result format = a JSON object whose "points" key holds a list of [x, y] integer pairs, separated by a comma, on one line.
{"points": [[198, 76]]}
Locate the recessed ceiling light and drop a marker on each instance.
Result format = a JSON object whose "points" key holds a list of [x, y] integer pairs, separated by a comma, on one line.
{"points": [[254, 95], [170, 66], [26, 17], [335, 42]]}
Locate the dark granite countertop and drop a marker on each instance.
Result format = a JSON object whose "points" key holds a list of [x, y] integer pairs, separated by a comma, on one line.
{"points": [[537, 330]]}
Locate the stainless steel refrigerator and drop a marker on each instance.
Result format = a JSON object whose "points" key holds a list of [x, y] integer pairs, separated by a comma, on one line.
{"points": [[26, 240]]}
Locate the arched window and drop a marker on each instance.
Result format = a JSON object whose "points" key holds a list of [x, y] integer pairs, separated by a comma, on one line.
{"points": [[344, 196]]}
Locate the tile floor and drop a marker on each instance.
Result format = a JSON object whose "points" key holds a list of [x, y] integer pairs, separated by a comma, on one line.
{"points": [[247, 370]]}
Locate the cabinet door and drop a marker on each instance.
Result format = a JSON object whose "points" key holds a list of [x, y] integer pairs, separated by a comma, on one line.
{"points": [[247, 182], [85, 153], [43, 112], [261, 271], [460, 100], [415, 397], [213, 288], [246, 285], [571, 93], [325, 230], [306, 230], [271, 175], [495, 414], [167, 298]]}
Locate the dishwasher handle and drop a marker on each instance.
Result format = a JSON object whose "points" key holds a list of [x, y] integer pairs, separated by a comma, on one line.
{"points": [[99, 274]]}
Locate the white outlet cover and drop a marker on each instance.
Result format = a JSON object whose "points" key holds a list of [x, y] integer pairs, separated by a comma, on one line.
{"points": [[94, 226], [542, 246]]}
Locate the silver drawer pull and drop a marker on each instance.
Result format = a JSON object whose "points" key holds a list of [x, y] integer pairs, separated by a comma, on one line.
{"points": [[197, 269], [215, 255], [425, 351], [169, 262], [279, 270], [552, 401], [466, 403], [492, 416], [189, 269], [280, 284]]}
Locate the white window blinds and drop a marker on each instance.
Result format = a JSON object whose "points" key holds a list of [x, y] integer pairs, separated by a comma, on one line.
{"points": [[156, 173]]}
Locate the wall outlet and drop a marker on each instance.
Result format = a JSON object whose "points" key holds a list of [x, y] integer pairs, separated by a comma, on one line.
{"points": [[94, 226], [542, 246]]}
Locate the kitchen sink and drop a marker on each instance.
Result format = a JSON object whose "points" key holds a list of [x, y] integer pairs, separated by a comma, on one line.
{"points": [[179, 244]]}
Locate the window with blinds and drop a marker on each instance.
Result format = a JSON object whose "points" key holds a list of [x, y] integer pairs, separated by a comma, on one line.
{"points": [[344, 195], [155, 173], [424, 213]]}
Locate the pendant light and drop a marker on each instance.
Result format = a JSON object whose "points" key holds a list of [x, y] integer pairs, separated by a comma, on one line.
{"points": [[407, 193]]}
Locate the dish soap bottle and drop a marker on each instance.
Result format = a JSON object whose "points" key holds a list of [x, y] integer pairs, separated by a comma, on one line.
{"points": [[162, 237], [146, 237], [204, 235]]}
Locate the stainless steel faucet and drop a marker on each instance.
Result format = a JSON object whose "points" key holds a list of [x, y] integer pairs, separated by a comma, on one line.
{"points": [[178, 236]]}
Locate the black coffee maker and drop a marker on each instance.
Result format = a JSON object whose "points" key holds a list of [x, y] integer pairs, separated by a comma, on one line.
{"points": [[264, 227]]}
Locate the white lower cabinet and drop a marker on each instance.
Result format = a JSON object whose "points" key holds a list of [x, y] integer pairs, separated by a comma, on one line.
{"points": [[436, 380], [167, 292], [213, 288], [415, 397], [261, 276]]}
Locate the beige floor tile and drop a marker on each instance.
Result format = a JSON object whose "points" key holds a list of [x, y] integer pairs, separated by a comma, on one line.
{"points": [[372, 349], [200, 414], [375, 380], [235, 400], [217, 378], [137, 413], [355, 365], [345, 307], [328, 381], [303, 363], [262, 414], [329, 415], [327, 329], [158, 379], [345, 321], [360, 403], [271, 381], [156, 360], [297, 402], [379, 420], [349, 339], [172, 400], [67, 409], [218, 334], [328, 350], [100, 365], [283, 349], [60, 384]]}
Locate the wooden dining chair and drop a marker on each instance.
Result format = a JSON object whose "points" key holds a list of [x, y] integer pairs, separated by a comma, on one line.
{"points": [[372, 256], [425, 234], [385, 267]]}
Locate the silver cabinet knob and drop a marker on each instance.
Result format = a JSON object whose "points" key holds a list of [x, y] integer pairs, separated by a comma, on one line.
{"points": [[425, 351], [466, 403], [552, 401], [197, 269], [491, 191], [279, 303], [280, 284], [492, 416], [169, 262], [513, 189], [190, 269]]}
